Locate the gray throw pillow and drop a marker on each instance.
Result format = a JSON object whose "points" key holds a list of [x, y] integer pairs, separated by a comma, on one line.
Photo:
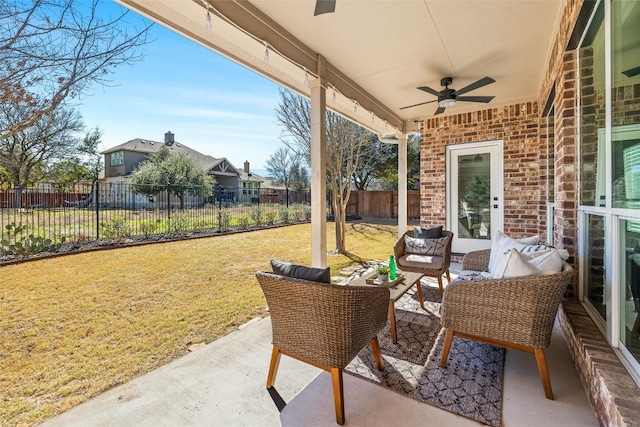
{"points": [[287, 269], [427, 233]]}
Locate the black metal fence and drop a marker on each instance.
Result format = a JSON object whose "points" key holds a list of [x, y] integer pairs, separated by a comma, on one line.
{"points": [[98, 210]]}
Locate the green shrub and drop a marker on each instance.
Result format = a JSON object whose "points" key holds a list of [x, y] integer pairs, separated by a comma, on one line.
{"points": [[257, 215], [306, 209], [243, 222], [270, 218], [284, 215], [178, 224], [224, 219], [298, 214], [149, 227], [116, 228]]}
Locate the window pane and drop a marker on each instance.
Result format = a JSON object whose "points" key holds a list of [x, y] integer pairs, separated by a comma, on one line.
{"points": [[474, 187], [592, 113], [117, 158], [630, 292], [594, 280], [625, 103]]}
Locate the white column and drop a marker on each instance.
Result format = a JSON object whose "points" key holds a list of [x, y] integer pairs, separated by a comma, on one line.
{"points": [[318, 174], [402, 184]]}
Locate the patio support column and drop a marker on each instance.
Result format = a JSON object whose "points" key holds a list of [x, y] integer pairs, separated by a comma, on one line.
{"points": [[402, 184], [318, 169]]}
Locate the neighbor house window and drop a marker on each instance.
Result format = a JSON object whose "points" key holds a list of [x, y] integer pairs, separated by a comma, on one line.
{"points": [[117, 158]]}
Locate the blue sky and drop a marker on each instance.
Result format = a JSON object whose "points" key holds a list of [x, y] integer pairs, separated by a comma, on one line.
{"points": [[210, 103]]}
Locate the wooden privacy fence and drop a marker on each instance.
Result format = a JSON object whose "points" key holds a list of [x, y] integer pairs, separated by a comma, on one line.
{"points": [[382, 204]]}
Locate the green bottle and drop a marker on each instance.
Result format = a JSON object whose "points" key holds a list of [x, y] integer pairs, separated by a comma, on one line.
{"points": [[392, 268]]}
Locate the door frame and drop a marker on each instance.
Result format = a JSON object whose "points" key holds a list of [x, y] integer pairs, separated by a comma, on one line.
{"points": [[496, 190]]}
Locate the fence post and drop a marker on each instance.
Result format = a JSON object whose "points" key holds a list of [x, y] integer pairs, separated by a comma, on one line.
{"points": [[97, 210], [168, 202]]}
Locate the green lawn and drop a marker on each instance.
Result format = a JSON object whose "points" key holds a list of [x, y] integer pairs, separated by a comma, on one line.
{"points": [[75, 326]]}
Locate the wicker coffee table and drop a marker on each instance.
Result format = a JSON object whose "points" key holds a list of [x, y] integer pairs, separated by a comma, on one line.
{"points": [[395, 292]]}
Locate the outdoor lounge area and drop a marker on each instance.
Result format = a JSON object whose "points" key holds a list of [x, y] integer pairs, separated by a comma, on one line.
{"points": [[528, 119], [224, 382]]}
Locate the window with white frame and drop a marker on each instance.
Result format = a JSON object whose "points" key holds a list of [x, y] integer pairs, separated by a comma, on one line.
{"points": [[609, 79]]}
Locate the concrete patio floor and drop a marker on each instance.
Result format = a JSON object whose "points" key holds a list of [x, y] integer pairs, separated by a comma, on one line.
{"points": [[223, 384]]}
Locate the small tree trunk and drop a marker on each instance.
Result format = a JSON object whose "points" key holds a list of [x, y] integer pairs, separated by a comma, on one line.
{"points": [[340, 219]]}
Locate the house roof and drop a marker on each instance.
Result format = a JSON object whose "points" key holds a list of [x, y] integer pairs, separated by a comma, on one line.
{"points": [[148, 146], [270, 184], [250, 177]]}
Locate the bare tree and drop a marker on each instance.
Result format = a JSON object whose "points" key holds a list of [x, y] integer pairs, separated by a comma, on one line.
{"points": [[344, 144], [53, 50], [283, 165], [374, 155], [26, 153]]}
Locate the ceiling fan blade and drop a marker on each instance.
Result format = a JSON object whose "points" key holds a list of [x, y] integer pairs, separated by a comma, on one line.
{"points": [[429, 90], [632, 72], [482, 82], [415, 105], [484, 99], [440, 110], [324, 6]]}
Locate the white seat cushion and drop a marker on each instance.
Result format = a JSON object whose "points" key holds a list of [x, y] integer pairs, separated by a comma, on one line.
{"points": [[428, 262]]}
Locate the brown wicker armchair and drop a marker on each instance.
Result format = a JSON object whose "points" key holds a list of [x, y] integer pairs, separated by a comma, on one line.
{"points": [[437, 269], [516, 313], [323, 325]]}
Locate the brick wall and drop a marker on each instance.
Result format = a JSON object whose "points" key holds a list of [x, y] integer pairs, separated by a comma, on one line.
{"points": [[518, 126], [614, 395]]}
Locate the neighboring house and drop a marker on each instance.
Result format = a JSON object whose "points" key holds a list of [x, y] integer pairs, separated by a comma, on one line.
{"points": [[274, 192], [250, 184], [121, 161]]}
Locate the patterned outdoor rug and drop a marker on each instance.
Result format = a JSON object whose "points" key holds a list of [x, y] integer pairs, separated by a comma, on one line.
{"points": [[470, 385]]}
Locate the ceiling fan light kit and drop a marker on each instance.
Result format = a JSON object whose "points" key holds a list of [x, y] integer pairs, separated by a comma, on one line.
{"points": [[444, 103]]}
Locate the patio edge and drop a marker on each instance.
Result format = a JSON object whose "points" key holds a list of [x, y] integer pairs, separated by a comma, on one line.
{"points": [[612, 392]]}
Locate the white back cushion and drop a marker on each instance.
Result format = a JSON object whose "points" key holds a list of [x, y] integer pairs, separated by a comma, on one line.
{"points": [[514, 264]]}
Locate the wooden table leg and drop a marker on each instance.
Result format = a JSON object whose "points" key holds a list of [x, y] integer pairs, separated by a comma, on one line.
{"points": [[420, 293], [392, 318]]}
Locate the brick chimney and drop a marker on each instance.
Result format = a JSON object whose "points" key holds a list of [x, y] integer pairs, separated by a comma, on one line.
{"points": [[169, 139], [246, 166]]}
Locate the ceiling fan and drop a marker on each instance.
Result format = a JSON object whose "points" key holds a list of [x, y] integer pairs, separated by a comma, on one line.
{"points": [[324, 6], [448, 97]]}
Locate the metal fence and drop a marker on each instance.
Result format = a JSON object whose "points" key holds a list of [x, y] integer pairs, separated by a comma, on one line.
{"points": [[97, 210]]}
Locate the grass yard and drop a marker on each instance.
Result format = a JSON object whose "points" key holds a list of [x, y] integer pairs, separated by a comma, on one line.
{"points": [[75, 326]]}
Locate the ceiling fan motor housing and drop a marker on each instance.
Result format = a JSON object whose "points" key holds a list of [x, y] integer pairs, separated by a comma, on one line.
{"points": [[446, 81], [447, 94]]}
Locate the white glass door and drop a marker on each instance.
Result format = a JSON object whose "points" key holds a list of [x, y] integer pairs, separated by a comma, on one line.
{"points": [[474, 202]]}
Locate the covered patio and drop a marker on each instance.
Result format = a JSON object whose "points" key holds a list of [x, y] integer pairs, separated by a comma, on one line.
{"points": [[223, 384], [367, 60]]}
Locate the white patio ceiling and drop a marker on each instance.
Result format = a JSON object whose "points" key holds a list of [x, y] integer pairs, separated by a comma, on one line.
{"points": [[378, 51]]}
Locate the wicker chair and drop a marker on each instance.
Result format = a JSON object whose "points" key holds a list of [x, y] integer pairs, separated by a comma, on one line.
{"points": [[516, 313], [432, 270], [323, 325]]}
